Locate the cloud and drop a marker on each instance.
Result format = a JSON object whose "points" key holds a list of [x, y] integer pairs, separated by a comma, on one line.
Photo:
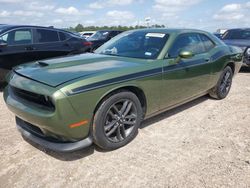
{"points": [[40, 6], [173, 6], [231, 12], [27, 13], [233, 15], [96, 5], [231, 7], [121, 15], [10, 1], [116, 17], [109, 3], [72, 11], [248, 4], [69, 11], [227, 17], [5, 13]]}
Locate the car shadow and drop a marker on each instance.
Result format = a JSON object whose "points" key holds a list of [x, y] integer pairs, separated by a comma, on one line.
{"points": [[77, 155], [171, 112], [245, 69], [2, 86]]}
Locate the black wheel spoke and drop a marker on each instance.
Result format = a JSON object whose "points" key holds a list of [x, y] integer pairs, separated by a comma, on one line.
{"points": [[112, 130], [132, 116], [129, 122], [116, 109], [124, 107], [123, 131], [128, 108], [112, 114], [118, 133], [110, 125]]}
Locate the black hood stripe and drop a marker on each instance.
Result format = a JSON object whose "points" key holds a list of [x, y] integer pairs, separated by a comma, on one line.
{"points": [[120, 79], [139, 75]]}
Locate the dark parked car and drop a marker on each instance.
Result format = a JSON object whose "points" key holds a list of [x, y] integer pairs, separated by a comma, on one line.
{"points": [[100, 37], [240, 38], [218, 35], [20, 44]]}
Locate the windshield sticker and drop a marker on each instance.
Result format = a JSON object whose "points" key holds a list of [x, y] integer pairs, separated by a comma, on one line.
{"points": [[105, 33], [148, 53], [158, 35]]}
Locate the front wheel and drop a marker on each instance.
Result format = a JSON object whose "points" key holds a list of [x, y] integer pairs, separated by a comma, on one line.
{"points": [[221, 90], [117, 120]]}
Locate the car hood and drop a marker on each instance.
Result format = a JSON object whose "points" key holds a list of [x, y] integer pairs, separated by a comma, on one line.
{"points": [[55, 72], [240, 43]]}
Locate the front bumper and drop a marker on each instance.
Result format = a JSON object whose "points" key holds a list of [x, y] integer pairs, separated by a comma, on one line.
{"points": [[48, 142]]}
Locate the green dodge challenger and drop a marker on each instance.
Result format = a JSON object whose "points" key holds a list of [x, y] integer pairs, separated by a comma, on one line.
{"points": [[68, 103]]}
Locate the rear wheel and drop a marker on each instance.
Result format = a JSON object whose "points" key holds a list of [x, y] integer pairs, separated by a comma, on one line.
{"points": [[117, 120], [221, 90]]}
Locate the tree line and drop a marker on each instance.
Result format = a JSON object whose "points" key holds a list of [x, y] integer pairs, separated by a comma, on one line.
{"points": [[80, 27]]}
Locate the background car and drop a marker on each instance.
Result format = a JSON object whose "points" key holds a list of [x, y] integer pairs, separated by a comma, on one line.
{"points": [[21, 44], [100, 37], [218, 35], [87, 34], [241, 38], [102, 97]]}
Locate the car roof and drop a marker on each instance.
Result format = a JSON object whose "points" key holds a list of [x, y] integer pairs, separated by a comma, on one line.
{"points": [[235, 29], [5, 27], [109, 30], [170, 31]]}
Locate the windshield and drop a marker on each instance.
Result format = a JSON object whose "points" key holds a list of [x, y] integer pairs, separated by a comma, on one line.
{"points": [[100, 35], [135, 44], [237, 34]]}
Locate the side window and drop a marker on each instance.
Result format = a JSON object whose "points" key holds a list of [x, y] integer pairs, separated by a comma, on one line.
{"points": [[190, 42], [63, 36], [207, 42], [18, 37], [4, 37], [44, 35]]}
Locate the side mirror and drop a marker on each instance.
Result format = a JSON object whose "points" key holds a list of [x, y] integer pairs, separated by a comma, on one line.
{"points": [[3, 43], [186, 54]]}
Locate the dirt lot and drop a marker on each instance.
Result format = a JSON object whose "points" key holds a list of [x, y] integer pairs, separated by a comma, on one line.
{"points": [[205, 143]]}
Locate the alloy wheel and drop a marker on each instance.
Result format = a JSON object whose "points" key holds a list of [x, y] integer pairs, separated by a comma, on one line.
{"points": [[226, 83], [120, 120]]}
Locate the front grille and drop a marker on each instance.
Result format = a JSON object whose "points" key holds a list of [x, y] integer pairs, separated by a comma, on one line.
{"points": [[35, 98], [34, 130]]}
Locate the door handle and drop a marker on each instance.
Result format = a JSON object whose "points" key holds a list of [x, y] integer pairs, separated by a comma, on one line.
{"points": [[207, 60], [29, 48]]}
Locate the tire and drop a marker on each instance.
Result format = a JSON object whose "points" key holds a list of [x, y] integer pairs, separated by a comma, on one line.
{"points": [[117, 120], [223, 86]]}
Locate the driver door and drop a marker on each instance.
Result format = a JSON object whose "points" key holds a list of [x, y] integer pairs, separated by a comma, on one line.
{"points": [[183, 79]]}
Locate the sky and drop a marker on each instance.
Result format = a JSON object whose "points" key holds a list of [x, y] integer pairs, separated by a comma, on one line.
{"points": [[208, 15]]}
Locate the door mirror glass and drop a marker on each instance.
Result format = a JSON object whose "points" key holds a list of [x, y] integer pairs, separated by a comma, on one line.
{"points": [[186, 54]]}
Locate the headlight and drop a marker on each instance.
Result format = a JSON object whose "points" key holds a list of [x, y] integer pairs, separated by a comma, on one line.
{"points": [[248, 51]]}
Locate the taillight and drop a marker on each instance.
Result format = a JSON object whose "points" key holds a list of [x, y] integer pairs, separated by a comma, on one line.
{"points": [[87, 43]]}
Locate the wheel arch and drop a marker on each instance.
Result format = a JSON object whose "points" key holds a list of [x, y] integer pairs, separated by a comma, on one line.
{"points": [[231, 65], [131, 88]]}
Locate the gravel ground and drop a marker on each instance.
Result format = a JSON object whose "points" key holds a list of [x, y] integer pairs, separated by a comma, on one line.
{"points": [[205, 143]]}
